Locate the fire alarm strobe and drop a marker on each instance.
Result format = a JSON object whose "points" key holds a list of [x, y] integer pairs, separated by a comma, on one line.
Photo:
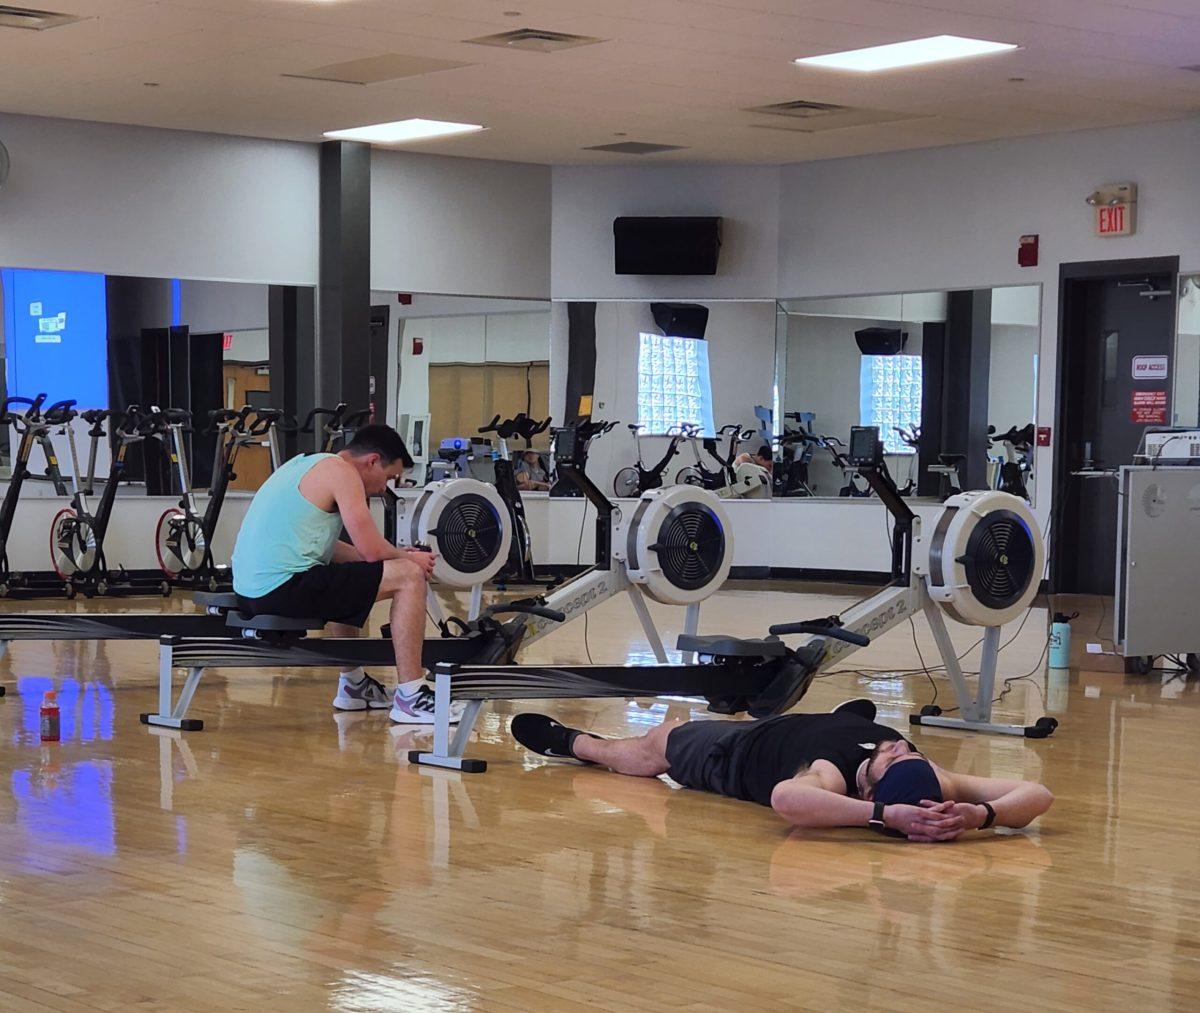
{"points": [[1027, 251]]}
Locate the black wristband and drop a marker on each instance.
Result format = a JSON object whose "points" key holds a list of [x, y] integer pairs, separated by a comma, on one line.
{"points": [[991, 816]]}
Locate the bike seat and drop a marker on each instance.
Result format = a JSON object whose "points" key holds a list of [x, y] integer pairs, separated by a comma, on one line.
{"points": [[732, 647], [952, 459], [222, 600], [272, 624]]}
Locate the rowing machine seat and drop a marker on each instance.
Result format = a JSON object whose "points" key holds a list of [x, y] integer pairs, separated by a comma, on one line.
{"points": [[216, 601], [732, 647], [272, 624]]}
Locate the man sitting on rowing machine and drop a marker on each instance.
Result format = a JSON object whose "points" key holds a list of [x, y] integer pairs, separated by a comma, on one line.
{"points": [[815, 770], [289, 560]]}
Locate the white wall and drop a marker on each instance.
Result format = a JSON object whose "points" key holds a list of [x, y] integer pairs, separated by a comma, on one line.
{"points": [[952, 217], [741, 354], [459, 226], [158, 203], [587, 199], [174, 204]]}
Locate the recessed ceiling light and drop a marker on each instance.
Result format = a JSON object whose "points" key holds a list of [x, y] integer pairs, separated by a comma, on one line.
{"points": [[403, 131], [907, 54]]}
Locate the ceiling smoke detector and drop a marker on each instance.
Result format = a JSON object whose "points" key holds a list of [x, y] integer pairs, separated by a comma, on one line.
{"points": [[634, 148], [37, 21], [537, 40]]}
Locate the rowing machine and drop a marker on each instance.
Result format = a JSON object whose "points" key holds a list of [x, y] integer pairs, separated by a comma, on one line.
{"points": [[981, 566]]}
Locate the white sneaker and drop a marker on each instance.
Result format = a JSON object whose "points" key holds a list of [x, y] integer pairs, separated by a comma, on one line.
{"points": [[362, 695], [417, 708]]}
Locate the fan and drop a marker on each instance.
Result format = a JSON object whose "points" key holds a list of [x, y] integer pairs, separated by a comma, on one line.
{"points": [[678, 544], [986, 558], [465, 522]]}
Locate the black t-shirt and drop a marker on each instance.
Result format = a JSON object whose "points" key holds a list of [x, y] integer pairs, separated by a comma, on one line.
{"points": [[778, 748]]}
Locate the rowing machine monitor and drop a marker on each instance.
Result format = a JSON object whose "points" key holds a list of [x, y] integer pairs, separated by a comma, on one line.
{"points": [[866, 450]]}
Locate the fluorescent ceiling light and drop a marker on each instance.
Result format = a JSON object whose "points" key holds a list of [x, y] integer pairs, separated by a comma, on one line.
{"points": [[907, 54], [402, 131]]}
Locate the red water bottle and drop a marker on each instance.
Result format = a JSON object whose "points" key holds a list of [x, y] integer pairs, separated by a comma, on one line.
{"points": [[50, 721]]}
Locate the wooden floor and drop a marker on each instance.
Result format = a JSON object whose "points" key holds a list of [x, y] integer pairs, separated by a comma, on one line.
{"points": [[288, 858]]}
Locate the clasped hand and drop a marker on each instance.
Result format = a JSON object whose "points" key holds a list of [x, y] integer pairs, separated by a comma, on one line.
{"points": [[931, 822]]}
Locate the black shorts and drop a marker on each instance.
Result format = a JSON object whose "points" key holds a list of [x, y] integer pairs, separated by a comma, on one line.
{"points": [[335, 592], [700, 755]]}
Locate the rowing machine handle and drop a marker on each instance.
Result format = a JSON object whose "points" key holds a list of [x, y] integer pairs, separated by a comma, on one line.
{"points": [[554, 615], [820, 630]]}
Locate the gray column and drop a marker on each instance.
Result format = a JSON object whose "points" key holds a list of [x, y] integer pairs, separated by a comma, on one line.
{"points": [[965, 381], [344, 294]]}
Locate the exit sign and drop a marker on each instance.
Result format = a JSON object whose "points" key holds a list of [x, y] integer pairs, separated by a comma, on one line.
{"points": [[226, 342], [1114, 221]]}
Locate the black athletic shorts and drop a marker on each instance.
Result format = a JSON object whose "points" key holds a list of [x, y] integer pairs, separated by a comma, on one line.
{"points": [[335, 592], [700, 755]]}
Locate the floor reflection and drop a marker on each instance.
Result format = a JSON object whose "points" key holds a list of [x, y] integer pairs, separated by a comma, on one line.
{"points": [[288, 857]]}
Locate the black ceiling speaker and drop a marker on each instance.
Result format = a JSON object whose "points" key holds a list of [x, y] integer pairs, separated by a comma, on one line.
{"points": [[881, 340], [667, 245], [680, 319]]}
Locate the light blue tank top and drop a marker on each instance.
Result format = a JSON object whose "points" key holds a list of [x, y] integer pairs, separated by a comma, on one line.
{"points": [[283, 533]]}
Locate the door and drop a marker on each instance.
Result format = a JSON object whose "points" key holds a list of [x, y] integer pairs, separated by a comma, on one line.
{"points": [[249, 385], [1107, 322]]}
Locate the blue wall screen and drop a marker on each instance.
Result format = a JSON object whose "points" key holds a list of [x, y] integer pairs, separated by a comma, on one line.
{"points": [[56, 335]]}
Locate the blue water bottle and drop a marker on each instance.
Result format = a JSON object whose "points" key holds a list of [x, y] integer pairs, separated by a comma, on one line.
{"points": [[1060, 640]]}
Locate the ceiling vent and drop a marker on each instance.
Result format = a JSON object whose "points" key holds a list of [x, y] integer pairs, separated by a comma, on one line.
{"points": [[635, 148], [376, 69], [537, 40], [807, 117], [800, 109], [37, 21]]}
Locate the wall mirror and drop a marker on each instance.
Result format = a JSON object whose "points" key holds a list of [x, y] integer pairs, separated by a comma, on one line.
{"points": [[109, 341], [660, 364], [1186, 400], [898, 361], [460, 362]]}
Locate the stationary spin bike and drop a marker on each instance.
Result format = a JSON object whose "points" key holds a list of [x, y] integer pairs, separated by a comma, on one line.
{"points": [[184, 535], [77, 533], [634, 481], [33, 427]]}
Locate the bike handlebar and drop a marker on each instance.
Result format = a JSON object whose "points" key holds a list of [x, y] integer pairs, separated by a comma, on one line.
{"points": [[821, 628], [60, 413]]}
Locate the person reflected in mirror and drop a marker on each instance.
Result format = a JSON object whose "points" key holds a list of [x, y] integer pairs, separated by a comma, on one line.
{"points": [[530, 472], [762, 457], [840, 769]]}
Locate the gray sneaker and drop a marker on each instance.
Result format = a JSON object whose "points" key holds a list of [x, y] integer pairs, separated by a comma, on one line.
{"points": [[362, 695]]}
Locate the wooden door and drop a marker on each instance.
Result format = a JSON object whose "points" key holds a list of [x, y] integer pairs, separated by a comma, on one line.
{"points": [[248, 384], [463, 397]]}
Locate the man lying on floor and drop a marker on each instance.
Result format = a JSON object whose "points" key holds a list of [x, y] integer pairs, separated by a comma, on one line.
{"points": [[815, 770]]}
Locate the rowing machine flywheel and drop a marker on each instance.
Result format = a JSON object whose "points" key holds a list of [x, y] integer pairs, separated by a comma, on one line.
{"points": [[986, 558], [465, 523], [678, 544]]}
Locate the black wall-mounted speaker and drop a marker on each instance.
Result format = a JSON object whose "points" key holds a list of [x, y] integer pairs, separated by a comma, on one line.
{"points": [[880, 340], [667, 245], [680, 320]]}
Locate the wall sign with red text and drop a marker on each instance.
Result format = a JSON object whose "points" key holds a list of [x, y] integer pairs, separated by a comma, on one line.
{"points": [[1149, 408]]}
